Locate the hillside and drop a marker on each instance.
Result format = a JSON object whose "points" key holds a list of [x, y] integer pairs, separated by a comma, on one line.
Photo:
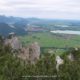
{"points": [[5, 29], [13, 68]]}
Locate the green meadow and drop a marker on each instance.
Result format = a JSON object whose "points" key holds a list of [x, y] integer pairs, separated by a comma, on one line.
{"points": [[51, 40]]}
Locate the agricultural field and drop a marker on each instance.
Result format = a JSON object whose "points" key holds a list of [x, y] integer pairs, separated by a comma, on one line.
{"points": [[51, 40]]}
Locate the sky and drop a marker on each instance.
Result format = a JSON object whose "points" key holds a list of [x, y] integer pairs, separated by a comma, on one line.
{"points": [[52, 9]]}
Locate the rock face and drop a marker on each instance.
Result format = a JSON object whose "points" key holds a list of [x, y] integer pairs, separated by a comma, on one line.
{"points": [[24, 54], [71, 57], [31, 53], [14, 42], [59, 61], [34, 51]]}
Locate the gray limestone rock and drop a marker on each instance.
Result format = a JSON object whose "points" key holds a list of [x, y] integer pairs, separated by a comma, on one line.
{"points": [[30, 53]]}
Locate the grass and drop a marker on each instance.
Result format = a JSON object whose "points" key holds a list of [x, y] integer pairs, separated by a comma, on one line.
{"points": [[52, 40], [49, 40]]}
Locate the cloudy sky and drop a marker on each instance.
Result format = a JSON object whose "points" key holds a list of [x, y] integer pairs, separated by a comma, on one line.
{"points": [[64, 9]]}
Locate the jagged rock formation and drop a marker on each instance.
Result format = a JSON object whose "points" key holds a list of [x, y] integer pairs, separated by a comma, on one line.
{"points": [[24, 54], [34, 51], [71, 57], [59, 62], [14, 42], [31, 53]]}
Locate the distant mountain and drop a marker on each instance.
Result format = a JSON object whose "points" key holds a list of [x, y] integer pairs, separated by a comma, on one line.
{"points": [[15, 24], [19, 25], [12, 19], [12, 24], [5, 29], [9, 19]]}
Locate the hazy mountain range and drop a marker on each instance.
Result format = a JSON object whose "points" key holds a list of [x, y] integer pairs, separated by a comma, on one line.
{"points": [[19, 25], [14, 24]]}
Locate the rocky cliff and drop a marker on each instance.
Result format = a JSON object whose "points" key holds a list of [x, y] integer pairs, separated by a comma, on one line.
{"points": [[30, 53], [14, 42]]}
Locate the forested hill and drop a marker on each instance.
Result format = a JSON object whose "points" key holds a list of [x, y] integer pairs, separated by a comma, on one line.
{"points": [[12, 68]]}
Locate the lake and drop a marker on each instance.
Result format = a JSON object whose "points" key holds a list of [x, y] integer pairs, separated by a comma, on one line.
{"points": [[66, 32]]}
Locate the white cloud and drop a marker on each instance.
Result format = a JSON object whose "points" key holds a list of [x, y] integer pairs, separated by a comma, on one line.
{"points": [[41, 8]]}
